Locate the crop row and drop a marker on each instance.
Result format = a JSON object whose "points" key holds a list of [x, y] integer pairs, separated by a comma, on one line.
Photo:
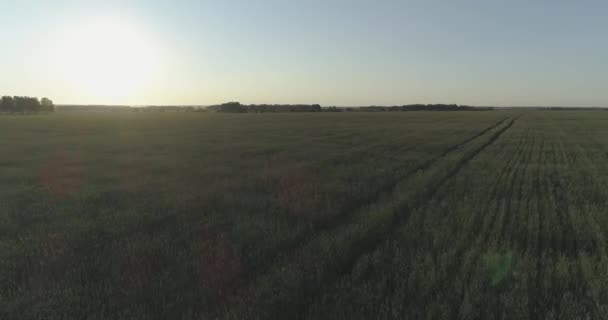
{"points": [[287, 289], [518, 233]]}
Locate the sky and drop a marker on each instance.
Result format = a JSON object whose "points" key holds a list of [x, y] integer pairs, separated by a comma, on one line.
{"points": [[344, 53]]}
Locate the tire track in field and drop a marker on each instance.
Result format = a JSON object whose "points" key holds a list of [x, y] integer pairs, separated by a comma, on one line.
{"points": [[476, 227], [494, 222], [291, 306], [515, 181], [518, 209], [481, 235], [477, 232], [326, 225], [425, 198], [451, 173], [510, 174], [336, 220]]}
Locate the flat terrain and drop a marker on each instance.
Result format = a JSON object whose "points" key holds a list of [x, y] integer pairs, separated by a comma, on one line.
{"points": [[419, 215]]}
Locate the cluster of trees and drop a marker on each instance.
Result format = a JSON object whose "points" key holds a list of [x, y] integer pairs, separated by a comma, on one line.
{"points": [[236, 107], [19, 104]]}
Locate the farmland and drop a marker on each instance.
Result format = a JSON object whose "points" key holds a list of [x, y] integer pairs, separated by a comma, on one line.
{"points": [[438, 215]]}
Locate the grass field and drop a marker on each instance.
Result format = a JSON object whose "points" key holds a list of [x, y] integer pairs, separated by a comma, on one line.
{"points": [[438, 215]]}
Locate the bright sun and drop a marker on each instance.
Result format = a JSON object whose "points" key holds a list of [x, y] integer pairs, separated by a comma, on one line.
{"points": [[106, 61]]}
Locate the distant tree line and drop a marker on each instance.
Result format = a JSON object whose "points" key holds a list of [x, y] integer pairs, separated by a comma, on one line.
{"points": [[424, 107], [236, 107], [164, 109], [25, 105]]}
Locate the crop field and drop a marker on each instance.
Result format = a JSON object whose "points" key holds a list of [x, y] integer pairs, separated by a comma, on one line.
{"points": [[389, 215]]}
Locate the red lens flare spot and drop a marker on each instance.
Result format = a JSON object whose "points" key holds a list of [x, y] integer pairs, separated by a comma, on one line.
{"points": [[219, 267], [63, 174]]}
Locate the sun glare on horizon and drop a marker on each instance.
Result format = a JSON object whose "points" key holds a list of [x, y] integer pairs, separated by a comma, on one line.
{"points": [[106, 60]]}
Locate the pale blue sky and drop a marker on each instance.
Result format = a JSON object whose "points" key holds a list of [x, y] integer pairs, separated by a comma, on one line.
{"points": [[329, 52]]}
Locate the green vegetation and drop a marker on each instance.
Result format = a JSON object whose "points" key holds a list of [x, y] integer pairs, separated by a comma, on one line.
{"points": [[24, 105], [470, 215]]}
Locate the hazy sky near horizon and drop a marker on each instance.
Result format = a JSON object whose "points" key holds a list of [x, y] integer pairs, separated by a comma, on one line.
{"points": [[482, 52]]}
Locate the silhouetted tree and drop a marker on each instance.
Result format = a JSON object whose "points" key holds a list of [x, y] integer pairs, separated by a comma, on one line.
{"points": [[332, 109], [7, 104], [228, 107], [46, 104]]}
